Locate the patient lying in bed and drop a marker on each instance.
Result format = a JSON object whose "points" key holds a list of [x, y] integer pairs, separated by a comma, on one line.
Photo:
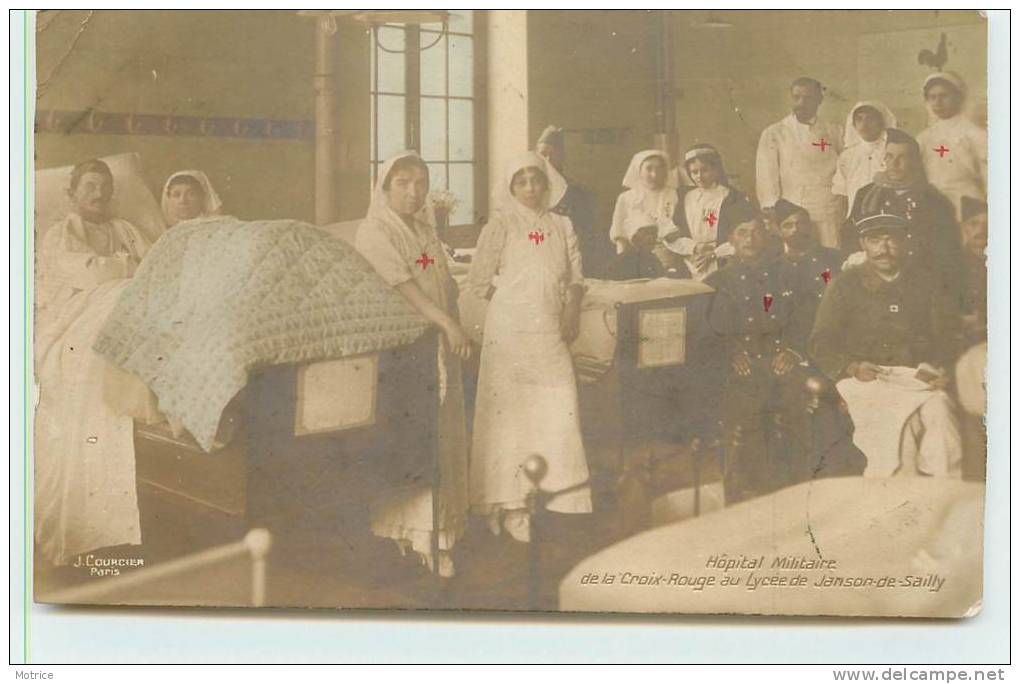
{"points": [[84, 454]]}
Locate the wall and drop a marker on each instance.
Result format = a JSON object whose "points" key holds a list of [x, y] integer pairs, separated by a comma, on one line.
{"points": [[732, 82], [507, 83], [593, 73], [252, 65]]}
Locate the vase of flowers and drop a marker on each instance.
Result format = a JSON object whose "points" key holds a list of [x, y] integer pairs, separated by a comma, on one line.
{"points": [[443, 203]]}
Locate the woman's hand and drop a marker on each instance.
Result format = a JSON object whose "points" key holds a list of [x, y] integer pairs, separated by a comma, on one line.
{"points": [[703, 249], [457, 339], [704, 254]]}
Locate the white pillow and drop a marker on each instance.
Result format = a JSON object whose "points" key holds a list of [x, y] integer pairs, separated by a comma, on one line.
{"points": [[132, 199]]}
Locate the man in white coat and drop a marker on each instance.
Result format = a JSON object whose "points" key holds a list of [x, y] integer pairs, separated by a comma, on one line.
{"points": [[954, 149], [797, 160]]}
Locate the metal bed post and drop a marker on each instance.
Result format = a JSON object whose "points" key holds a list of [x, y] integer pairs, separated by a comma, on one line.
{"points": [[536, 468]]}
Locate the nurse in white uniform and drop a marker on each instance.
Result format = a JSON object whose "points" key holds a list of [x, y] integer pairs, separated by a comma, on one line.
{"points": [[954, 149]]}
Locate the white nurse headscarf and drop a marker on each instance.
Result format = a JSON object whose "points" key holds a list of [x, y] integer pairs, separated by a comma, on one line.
{"points": [[379, 206], [211, 204], [851, 136], [503, 196], [632, 179]]}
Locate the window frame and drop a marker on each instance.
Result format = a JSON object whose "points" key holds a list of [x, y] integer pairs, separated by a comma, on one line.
{"points": [[414, 37]]}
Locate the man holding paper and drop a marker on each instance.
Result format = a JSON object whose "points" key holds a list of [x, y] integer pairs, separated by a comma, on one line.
{"points": [[883, 333]]}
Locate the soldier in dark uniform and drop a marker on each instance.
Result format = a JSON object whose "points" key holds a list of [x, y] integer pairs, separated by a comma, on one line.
{"points": [[764, 417], [807, 267], [932, 237], [884, 318], [577, 205]]}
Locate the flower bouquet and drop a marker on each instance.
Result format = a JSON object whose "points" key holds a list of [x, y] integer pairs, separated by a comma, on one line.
{"points": [[443, 203]]}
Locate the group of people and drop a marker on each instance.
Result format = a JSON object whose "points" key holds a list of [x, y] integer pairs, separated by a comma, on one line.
{"points": [[862, 260], [527, 265]]}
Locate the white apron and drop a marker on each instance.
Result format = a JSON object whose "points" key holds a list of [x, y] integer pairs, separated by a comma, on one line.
{"points": [[527, 394]]}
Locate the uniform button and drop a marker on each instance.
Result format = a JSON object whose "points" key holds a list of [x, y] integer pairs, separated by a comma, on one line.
{"points": [[773, 315], [750, 319], [813, 260], [743, 277], [766, 272], [909, 236], [747, 338], [759, 356], [746, 298]]}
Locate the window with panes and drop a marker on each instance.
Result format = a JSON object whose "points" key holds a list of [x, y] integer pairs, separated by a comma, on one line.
{"points": [[424, 97]]}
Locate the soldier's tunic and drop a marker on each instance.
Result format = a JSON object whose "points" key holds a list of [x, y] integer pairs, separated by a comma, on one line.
{"points": [[932, 241], [764, 423], [898, 325], [806, 278]]}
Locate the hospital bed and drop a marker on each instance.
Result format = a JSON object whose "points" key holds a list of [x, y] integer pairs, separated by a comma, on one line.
{"points": [[301, 442]]}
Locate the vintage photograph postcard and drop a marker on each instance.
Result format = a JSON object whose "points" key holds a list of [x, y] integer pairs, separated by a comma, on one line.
{"points": [[589, 311]]}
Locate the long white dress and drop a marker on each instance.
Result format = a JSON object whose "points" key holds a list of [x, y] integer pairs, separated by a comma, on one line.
{"points": [[85, 491], [527, 392], [796, 162], [400, 254]]}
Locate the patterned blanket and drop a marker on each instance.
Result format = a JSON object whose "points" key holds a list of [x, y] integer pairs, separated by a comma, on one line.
{"points": [[218, 297]]}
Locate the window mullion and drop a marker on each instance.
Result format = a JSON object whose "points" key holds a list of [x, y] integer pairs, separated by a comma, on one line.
{"points": [[412, 71]]}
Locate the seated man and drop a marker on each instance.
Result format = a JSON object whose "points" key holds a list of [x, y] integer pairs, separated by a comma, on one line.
{"points": [[643, 258], [883, 333], [88, 247], [764, 416], [931, 237], [807, 267]]}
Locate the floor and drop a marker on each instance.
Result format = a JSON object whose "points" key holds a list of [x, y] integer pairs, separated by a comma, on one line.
{"points": [[329, 563]]}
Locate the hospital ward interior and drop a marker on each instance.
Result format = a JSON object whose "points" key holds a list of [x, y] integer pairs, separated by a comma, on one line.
{"points": [[466, 309]]}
